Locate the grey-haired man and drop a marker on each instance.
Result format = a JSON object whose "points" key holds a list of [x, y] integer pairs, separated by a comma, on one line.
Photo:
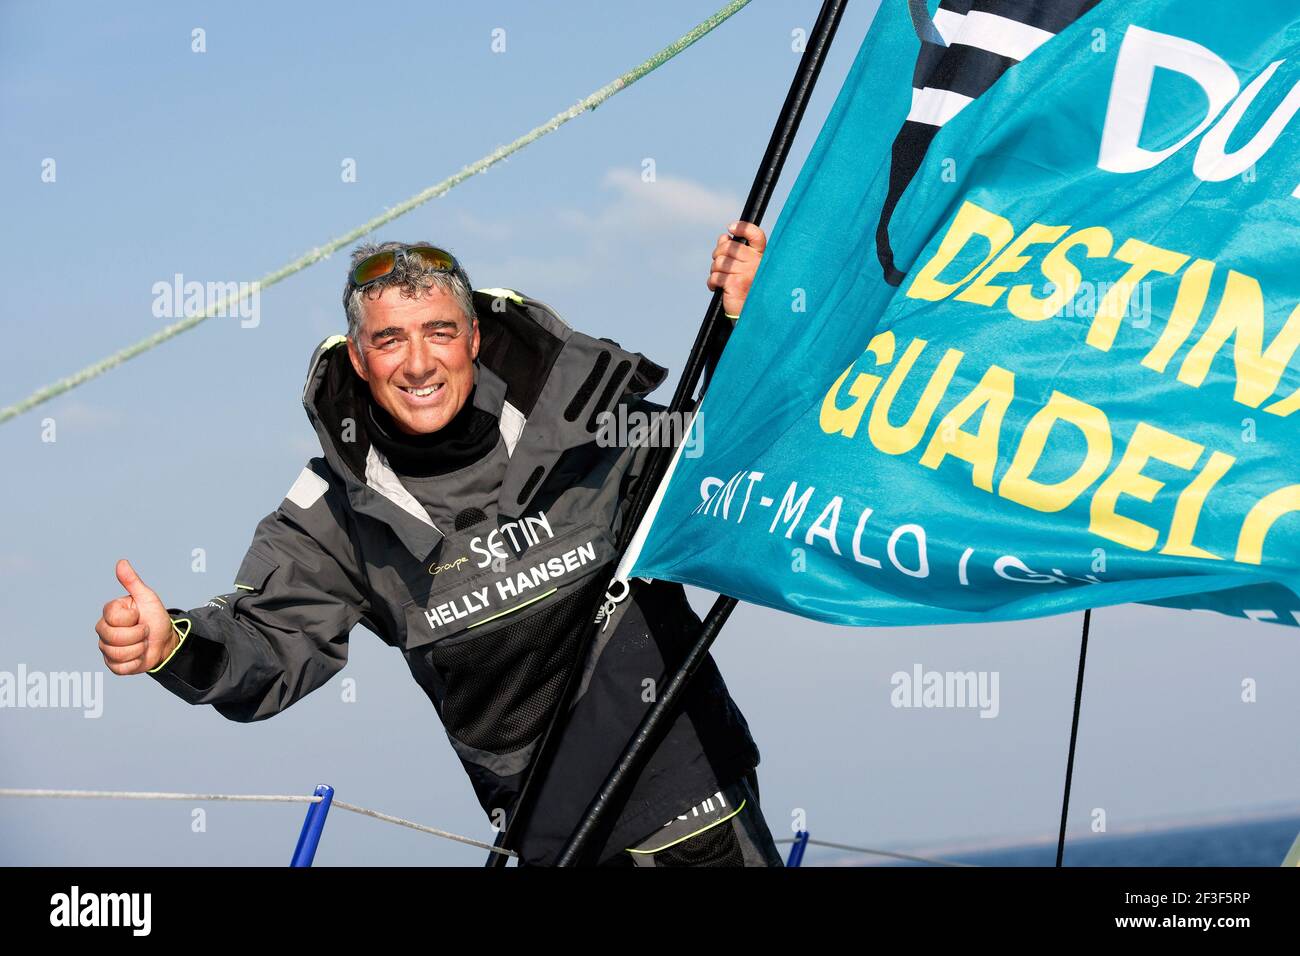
{"points": [[463, 511]]}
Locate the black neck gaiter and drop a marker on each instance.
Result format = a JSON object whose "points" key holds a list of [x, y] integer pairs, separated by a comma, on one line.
{"points": [[469, 437]]}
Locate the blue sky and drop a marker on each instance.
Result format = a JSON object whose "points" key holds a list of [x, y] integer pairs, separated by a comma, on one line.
{"points": [[226, 164]]}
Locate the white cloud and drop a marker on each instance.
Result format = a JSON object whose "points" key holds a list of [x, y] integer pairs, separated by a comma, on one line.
{"points": [[483, 229], [666, 204], [666, 226]]}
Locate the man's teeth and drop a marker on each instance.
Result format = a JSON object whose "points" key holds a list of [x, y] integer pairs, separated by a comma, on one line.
{"points": [[421, 392]]}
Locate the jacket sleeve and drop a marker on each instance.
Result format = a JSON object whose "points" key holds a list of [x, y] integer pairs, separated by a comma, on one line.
{"points": [[283, 631]]}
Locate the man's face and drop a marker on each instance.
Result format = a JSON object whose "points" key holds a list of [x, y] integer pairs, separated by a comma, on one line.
{"points": [[419, 357]]}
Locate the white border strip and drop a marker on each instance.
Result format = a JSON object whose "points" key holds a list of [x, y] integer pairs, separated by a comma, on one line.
{"points": [[935, 107], [990, 32], [643, 529]]}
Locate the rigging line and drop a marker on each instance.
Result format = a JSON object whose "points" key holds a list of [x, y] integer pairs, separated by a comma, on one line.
{"points": [[863, 849], [152, 795], [313, 256], [244, 797], [422, 828], [1074, 735]]}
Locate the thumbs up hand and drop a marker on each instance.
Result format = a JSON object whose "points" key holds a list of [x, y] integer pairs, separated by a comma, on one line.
{"points": [[135, 631]]}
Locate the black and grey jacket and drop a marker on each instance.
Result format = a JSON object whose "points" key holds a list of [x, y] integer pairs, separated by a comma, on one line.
{"points": [[482, 583]]}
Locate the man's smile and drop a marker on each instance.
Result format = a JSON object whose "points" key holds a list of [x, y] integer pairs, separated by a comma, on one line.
{"points": [[424, 395]]}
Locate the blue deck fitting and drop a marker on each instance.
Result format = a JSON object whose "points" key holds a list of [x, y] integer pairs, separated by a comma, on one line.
{"points": [[312, 827], [796, 849]]}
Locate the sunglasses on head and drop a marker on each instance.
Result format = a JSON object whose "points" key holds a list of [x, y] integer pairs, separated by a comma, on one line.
{"points": [[375, 267]]}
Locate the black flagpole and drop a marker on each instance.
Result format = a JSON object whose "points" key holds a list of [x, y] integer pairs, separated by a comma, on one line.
{"points": [[704, 355], [1074, 736]]}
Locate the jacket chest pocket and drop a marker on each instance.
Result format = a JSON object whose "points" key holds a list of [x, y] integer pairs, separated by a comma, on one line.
{"points": [[499, 677], [456, 603]]}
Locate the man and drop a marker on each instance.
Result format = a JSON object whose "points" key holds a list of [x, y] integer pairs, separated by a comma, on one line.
{"points": [[465, 513]]}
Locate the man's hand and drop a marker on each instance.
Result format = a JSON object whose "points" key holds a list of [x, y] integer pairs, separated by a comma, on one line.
{"points": [[135, 632], [735, 263]]}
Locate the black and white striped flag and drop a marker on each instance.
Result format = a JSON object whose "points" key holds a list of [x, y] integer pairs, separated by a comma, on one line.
{"points": [[965, 48]]}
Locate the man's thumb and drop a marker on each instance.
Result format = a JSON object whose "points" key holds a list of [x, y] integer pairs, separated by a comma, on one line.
{"points": [[135, 587]]}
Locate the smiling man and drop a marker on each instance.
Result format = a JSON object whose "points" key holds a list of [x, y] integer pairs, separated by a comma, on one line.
{"points": [[464, 512], [420, 388]]}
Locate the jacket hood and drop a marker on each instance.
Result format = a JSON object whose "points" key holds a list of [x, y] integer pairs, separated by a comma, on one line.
{"points": [[546, 383]]}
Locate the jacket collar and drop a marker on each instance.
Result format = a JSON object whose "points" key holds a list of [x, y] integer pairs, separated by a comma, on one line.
{"points": [[545, 383]]}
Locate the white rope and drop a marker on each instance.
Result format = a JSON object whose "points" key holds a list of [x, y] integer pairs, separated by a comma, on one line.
{"points": [[422, 828], [246, 797], [152, 795], [891, 853]]}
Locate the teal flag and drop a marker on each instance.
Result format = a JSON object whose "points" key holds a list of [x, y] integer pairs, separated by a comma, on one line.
{"points": [[1054, 366]]}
